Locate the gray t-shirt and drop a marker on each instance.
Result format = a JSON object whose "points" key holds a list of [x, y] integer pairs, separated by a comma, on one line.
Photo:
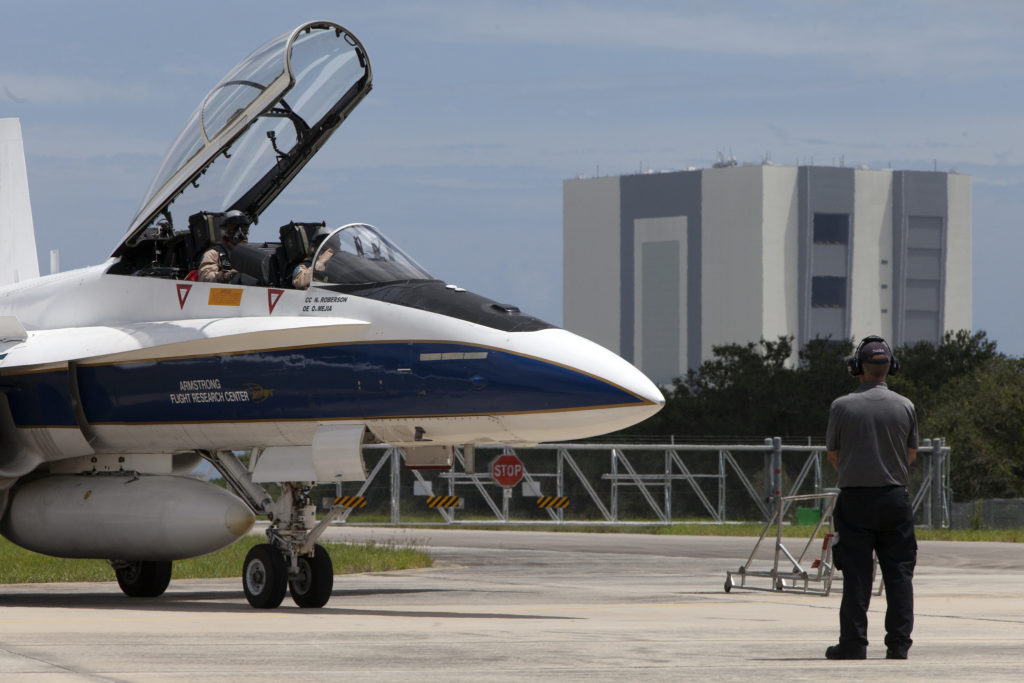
{"points": [[872, 428]]}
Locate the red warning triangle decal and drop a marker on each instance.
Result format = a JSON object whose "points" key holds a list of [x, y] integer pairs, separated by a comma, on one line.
{"points": [[183, 291], [273, 296]]}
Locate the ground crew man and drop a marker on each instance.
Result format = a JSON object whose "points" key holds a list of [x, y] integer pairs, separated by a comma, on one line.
{"points": [[872, 440]]}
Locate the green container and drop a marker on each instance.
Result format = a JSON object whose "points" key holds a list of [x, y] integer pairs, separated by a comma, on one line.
{"points": [[808, 516]]}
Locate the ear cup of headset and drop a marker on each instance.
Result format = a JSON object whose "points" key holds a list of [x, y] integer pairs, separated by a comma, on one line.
{"points": [[853, 362]]}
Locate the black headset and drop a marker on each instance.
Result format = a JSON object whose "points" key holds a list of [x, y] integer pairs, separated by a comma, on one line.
{"points": [[856, 368]]}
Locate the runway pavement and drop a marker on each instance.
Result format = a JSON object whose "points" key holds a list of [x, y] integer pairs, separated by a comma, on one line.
{"points": [[521, 605]]}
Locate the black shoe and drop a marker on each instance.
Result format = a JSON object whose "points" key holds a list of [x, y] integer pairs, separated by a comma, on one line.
{"points": [[897, 652], [837, 652]]}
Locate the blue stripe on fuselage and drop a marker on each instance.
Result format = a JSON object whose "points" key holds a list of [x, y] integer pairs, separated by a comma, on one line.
{"points": [[40, 399], [368, 381]]}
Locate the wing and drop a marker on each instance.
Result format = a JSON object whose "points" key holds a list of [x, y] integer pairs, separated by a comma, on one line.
{"points": [[154, 340]]}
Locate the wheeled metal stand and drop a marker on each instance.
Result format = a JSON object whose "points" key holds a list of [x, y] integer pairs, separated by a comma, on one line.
{"points": [[817, 578]]}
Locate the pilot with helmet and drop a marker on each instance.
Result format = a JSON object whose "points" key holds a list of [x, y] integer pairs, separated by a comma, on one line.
{"points": [[215, 265], [303, 273]]}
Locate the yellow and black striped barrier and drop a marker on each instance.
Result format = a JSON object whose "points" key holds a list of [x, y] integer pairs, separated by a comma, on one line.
{"points": [[442, 501], [553, 502], [350, 501]]}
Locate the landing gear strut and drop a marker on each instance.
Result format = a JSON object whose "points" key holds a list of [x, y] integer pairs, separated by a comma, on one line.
{"points": [[290, 560], [294, 531]]}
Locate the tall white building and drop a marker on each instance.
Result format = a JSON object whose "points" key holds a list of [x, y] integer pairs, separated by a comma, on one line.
{"points": [[661, 267]]}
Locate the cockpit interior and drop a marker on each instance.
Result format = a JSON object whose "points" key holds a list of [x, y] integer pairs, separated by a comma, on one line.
{"points": [[352, 256]]}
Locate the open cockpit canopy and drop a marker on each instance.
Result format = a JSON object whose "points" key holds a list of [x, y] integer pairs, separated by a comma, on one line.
{"points": [[359, 255], [259, 126]]}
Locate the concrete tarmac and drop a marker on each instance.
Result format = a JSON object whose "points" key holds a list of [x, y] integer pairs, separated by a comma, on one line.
{"points": [[522, 605]]}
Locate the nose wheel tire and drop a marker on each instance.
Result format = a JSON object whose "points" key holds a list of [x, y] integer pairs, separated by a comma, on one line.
{"points": [[143, 579], [264, 576], [315, 581]]}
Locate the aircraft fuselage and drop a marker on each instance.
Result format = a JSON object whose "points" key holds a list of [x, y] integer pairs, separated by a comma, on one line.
{"points": [[172, 380]]}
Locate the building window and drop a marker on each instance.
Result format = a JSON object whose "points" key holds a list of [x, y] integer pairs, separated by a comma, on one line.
{"points": [[828, 291], [831, 228], [660, 322], [922, 307]]}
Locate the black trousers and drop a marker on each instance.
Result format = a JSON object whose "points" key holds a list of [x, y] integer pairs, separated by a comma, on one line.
{"points": [[879, 520]]}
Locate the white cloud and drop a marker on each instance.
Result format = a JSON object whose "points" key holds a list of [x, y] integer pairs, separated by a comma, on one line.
{"points": [[89, 141], [49, 89], [208, 72], [886, 37]]}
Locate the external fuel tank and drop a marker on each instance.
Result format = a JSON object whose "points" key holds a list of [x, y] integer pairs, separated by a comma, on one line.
{"points": [[123, 517]]}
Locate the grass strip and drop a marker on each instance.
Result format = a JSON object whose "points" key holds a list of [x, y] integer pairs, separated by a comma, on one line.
{"points": [[745, 529], [18, 565], [797, 531]]}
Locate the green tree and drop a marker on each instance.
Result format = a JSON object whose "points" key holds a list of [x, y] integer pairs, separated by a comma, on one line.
{"points": [[819, 378], [754, 390], [981, 414], [740, 387], [926, 369], [963, 388]]}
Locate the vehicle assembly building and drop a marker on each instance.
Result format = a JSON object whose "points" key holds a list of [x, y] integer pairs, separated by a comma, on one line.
{"points": [[661, 267]]}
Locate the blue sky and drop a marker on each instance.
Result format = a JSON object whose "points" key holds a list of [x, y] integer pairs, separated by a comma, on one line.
{"points": [[481, 109]]}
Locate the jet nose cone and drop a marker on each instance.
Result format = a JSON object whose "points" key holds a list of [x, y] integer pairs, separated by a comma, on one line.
{"points": [[637, 383], [656, 398], [616, 370], [646, 389], [603, 393]]}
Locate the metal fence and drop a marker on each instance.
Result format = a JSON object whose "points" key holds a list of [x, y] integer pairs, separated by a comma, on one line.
{"points": [[995, 513], [624, 484]]}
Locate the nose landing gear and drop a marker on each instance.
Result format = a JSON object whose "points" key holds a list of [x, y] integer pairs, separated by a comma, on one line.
{"points": [[291, 560]]}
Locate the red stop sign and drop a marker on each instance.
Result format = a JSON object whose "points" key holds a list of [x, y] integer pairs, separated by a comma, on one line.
{"points": [[507, 469]]}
